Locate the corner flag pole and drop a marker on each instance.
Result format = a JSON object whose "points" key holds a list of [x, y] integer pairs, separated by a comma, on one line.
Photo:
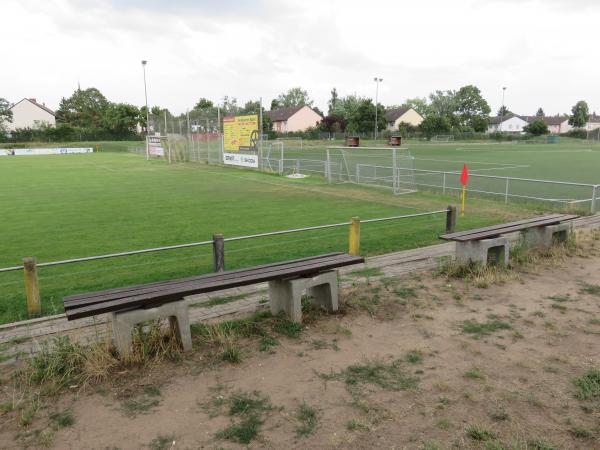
{"points": [[464, 180]]}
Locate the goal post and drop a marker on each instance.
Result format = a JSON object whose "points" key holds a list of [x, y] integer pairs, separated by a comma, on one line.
{"points": [[376, 166], [442, 138]]}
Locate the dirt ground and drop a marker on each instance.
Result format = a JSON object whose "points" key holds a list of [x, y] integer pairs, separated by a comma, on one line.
{"points": [[419, 362]]}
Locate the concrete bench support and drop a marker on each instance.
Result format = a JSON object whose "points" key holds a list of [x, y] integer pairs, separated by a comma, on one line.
{"points": [[286, 295], [124, 322], [484, 251], [543, 237]]}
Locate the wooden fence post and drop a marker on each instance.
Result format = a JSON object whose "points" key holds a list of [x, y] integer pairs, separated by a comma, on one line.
{"points": [[354, 237], [218, 253], [32, 288], [450, 219]]}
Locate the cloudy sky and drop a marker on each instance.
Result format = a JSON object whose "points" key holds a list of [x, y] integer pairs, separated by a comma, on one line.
{"points": [[544, 51]]}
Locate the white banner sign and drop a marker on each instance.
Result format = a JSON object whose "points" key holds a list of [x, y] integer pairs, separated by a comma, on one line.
{"points": [[239, 159], [51, 151], [155, 147], [4, 152]]}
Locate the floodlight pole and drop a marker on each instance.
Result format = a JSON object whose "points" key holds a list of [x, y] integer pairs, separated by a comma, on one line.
{"points": [[502, 108], [144, 62], [377, 81]]}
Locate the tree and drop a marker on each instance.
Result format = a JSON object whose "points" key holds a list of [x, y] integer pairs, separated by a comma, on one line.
{"points": [[230, 106], [503, 111], [204, 103], [332, 103], [419, 104], [333, 124], [251, 107], [435, 124], [472, 109], [120, 119], [362, 119], [537, 127], [293, 97], [443, 103], [84, 109], [540, 112], [580, 113], [6, 114]]}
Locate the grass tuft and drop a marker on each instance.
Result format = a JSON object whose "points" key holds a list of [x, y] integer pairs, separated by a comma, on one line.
{"points": [[588, 385], [308, 418], [485, 328], [480, 434]]}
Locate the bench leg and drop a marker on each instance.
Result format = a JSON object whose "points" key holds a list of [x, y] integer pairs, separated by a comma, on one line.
{"points": [[286, 296], [484, 251], [124, 322], [180, 328], [326, 294], [122, 334], [546, 236]]}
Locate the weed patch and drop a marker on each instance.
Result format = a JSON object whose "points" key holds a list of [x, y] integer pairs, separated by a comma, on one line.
{"points": [[483, 329], [387, 376], [308, 418], [588, 385]]}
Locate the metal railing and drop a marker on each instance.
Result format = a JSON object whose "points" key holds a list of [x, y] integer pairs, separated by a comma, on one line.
{"points": [[30, 265]]}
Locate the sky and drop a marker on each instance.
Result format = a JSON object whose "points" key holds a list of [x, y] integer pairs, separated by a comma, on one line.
{"points": [[544, 51]]}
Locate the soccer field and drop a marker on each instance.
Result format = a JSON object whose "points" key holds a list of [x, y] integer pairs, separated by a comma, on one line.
{"points": [[68, 206], [573, 161]]}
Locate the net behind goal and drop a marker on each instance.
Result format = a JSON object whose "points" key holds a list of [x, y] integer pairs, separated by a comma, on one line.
{"points": [[442, 138], [384, 167]]}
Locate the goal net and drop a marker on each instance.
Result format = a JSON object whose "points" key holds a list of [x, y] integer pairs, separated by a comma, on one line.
{"points": [[442, 138], [377, 166]]}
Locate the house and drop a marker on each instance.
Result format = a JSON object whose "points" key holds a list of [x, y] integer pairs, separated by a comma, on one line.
{"points": [[394, 117], [511, 123], [593, 122], [28, 113], [296, 118], [556, 124]]}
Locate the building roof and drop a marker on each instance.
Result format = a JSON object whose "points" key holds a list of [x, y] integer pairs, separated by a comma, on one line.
{"points": [[281, 114], [498, 119], [393, 114], [33, 101], [548, 120], [593, 118]]}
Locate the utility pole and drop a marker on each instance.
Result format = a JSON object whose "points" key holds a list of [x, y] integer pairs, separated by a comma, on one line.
{"points": [[147, 110], [502, 109], [377, 81]]}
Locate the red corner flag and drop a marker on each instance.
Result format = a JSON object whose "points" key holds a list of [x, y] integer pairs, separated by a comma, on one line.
{"points": [[464, 179], [464, 176]]}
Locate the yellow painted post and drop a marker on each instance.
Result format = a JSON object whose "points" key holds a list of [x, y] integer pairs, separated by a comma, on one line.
{"points": [[354, 237], [32, 288]]}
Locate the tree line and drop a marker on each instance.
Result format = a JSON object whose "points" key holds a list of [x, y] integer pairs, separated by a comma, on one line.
{"points": [[88, 115]]}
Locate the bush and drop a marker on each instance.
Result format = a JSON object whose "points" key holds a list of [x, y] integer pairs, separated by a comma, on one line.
{"points": [[578, 133]]}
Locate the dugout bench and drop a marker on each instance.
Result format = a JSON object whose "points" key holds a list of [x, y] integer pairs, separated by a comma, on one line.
{"points": [[288, 280]]}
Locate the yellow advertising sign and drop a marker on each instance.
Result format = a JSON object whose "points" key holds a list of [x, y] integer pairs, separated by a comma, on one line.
{"points": [[240, 133]]}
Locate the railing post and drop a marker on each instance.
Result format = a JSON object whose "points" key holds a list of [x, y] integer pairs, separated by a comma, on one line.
{"points": [[218, 253], [354, 237], [506, 192], [594, 193], [328, 167], [394, 170], [281, 167], [32, 287], [450, 219], [297, 166], [444, 184], [358, 174]]}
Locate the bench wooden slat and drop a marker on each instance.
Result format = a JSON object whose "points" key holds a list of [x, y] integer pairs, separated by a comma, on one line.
{"points": [[120, 292], [452, 236], [509, 228], [178, 292]]}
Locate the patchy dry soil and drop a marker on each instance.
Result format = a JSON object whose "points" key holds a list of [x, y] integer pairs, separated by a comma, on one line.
{"points": [[419, 362]]}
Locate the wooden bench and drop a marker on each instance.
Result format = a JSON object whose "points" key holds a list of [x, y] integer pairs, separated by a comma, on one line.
{"points": [[488, 244], [288, 280]]}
